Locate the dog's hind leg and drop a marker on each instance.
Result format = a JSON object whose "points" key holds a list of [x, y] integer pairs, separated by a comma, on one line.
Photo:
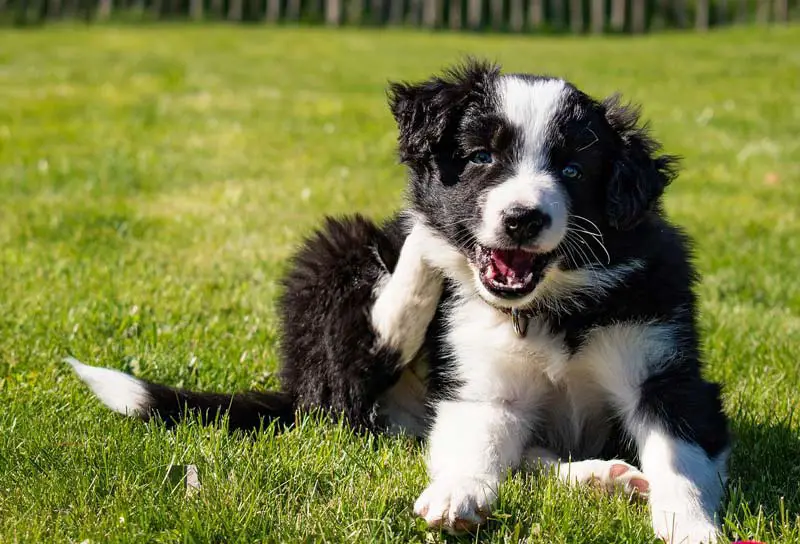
{"points": [[356, 305]]}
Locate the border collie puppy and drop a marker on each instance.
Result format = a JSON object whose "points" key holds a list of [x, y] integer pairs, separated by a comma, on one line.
{"points": [[531, 305]]}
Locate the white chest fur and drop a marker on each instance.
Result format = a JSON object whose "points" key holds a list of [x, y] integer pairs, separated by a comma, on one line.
{"points": [[564, 397], [493, 362]]}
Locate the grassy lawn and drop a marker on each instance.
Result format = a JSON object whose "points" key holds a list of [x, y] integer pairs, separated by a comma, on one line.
{"points": [[154, 180]]}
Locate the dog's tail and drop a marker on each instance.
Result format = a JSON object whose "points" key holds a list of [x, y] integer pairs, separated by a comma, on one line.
{"points": [[134, 397]]}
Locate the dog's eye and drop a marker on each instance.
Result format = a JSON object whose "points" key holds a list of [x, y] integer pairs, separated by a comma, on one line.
{"points": [[572, 171], [481, 157]]}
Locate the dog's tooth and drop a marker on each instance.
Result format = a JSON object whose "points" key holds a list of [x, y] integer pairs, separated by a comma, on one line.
{"points": [[529, 277]]}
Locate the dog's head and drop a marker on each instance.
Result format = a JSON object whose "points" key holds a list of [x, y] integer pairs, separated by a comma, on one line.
{"points": [[520, 174]]}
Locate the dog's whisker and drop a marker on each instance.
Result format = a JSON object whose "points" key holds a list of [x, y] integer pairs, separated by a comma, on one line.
{"points": [[589, 221], [596, 239]]}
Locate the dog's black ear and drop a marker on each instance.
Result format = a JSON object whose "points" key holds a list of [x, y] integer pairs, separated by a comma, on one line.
{"points": [[639, 176], [426, 111]]}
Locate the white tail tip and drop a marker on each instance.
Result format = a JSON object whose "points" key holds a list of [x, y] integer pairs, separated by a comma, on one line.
{"points": [[117, 390]]}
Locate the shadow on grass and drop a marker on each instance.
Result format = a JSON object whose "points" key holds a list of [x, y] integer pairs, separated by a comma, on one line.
{"points": [[764, 469]]}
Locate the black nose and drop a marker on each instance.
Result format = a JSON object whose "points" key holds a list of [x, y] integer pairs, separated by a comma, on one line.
{"points": [[523, 225]]}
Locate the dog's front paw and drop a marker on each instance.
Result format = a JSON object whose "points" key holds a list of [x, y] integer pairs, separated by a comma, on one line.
{"points": [[456, 506], [678, 528]]}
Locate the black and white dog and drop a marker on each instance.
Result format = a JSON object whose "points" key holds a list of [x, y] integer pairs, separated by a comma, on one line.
{"points": [[531, 305]]}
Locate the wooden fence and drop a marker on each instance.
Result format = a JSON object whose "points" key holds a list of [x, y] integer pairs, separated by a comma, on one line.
{"points": [[573, 16]]}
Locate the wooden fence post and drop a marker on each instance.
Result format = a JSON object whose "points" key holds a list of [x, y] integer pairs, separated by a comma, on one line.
{"points": [[535, 13], [742, 11], [617, 22], [104, 8], [196, 9], [598, 16], [576, 16], [638, 16], [474, 14], [701, 17], [762, 11], [496, 14], [333, 12], [273, 12], [235, 10], [431, 13], [355, 12], [516, 16], [455, 14], [215, 8], [781, 11]]}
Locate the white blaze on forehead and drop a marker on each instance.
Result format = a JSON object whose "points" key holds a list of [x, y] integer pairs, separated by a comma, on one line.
{"points": [[531, 106]]}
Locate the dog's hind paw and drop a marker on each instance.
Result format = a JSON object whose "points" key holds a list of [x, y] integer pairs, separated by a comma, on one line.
{"points": [[612, 475]]}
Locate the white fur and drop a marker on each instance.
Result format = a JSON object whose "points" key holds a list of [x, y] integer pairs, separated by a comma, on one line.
{"points": [[686, 487], [117, 390], [471, 446], [529, 189], [605, 473], [406, 299], [531, 106]]}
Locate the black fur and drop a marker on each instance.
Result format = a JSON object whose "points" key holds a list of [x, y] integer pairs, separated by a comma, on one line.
{"points": [[331, 359], [245, 411]]}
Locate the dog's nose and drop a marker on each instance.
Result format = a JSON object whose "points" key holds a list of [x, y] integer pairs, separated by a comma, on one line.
{"points": [[523, 225]]}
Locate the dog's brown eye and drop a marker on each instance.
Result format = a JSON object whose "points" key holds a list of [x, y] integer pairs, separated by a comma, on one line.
{"points": [[481, 157], [572, 171]]}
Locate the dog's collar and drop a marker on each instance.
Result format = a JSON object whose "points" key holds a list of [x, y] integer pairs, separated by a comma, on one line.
{"points": [[519, 319]]}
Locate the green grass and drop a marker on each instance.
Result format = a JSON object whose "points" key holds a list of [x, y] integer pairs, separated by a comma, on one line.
{"points": [[154, 180]]}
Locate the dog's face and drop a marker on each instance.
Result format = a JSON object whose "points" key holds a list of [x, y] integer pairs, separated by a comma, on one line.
{"points": [[523, 175]]}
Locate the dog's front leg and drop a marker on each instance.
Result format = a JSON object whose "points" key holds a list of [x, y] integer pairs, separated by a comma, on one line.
{"points": [[686, 485], [682, 439], [676, 420], [406, 299], [472, 445]]}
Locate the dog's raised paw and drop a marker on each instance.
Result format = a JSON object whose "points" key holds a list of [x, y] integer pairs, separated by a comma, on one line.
{"points": [[455, 506]]}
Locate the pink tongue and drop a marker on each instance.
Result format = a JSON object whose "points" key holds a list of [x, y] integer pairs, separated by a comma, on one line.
{"points": [[511, 263]]}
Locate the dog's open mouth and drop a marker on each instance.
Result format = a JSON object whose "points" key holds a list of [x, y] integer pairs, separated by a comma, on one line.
{"points": [[509, 273]]}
